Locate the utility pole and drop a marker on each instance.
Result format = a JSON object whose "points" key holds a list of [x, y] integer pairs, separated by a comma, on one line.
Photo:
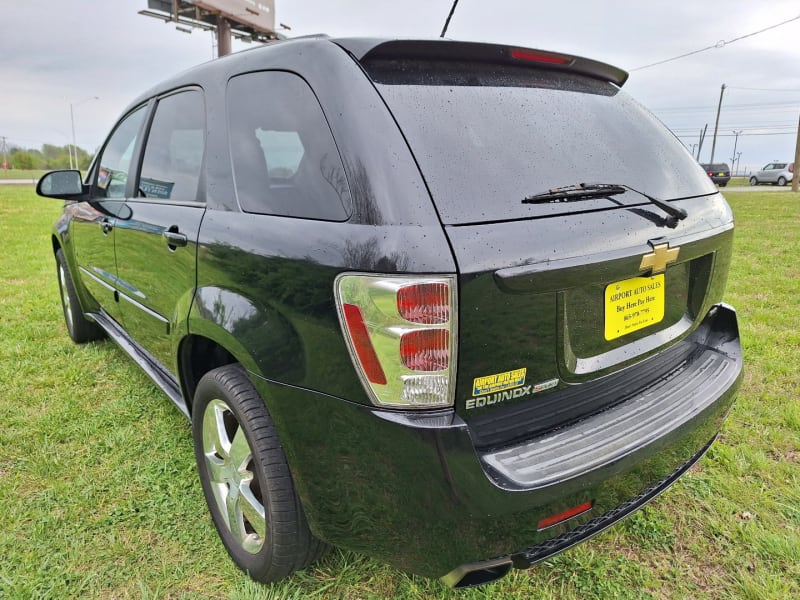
{"points": [[796, 176], [716, 125]]}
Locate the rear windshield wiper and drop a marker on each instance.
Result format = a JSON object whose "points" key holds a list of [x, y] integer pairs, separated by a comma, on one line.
{"points": [[585, 191]]}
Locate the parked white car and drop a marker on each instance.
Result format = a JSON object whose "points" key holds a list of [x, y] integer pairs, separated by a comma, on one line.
{"points": [[779, 173]]}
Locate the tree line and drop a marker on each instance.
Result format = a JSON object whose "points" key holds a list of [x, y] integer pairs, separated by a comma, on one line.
{"points": [[49, 157]]}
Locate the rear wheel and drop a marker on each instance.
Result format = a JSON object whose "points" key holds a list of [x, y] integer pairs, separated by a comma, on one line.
{"points": [[246, 480], [80, 328], [781, 181], [753, 181]]}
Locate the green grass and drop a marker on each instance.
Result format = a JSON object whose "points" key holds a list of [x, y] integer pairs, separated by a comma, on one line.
{"points": [[20, 174], [99, 496]]}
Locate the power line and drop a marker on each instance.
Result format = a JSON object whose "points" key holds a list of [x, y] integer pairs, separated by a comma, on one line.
{"points": [[719, 44], [749, 89], [759, 105], [689, 135]]}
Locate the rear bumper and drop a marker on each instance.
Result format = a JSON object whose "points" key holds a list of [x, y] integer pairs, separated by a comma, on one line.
{"points": [[414, 491]]}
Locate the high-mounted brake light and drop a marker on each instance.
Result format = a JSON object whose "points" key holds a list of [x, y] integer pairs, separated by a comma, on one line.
{"points": [[400, 331], [540, 57]]}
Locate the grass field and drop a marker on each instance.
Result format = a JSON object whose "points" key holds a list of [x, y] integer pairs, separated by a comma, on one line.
{"points": [[99, 496], [20, 174]]}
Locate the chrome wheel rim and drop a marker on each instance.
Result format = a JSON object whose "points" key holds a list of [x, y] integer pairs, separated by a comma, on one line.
{"points": [[231, 472], [62, 281]]}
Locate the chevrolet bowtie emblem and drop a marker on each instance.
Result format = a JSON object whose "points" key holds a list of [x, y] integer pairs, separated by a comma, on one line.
{"points": [[659, 258]]}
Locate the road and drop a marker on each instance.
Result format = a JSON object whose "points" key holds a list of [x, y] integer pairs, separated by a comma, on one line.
{"points": [[17, 181], [753, 188]]}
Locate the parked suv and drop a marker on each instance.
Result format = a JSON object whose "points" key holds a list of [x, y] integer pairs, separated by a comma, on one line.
{"points": [[720, 173], [779, 173], [456, 306]]}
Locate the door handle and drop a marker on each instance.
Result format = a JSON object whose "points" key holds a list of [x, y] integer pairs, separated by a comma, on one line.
{"points": [[174, 238]]}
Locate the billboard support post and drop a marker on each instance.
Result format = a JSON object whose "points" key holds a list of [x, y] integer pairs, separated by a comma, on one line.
{"points": [[223, 36]]}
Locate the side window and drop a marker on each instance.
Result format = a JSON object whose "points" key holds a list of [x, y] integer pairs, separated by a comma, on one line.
{"points": [[115, 162], [285, 161], [173, 156]]}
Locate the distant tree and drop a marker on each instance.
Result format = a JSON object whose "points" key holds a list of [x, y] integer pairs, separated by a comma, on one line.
{"points": [[49, 157], [21, 159]]}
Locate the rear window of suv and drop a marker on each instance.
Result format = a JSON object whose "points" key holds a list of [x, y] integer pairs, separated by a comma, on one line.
{"points": [[485, 138]]}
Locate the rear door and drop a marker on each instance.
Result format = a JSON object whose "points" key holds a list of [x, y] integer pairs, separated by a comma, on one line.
{"points": [[767, 173], [156, 245]]}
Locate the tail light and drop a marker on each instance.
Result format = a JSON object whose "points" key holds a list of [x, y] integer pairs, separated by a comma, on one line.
{"points": [[400, 331]]}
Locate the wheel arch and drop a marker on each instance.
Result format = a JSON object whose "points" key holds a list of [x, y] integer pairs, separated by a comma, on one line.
{"points": [[199, 354]]}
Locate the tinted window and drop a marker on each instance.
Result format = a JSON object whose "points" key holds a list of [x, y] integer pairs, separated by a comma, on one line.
{"points": [[485, 144], [285, 161], [115, 162], [173, 157]]}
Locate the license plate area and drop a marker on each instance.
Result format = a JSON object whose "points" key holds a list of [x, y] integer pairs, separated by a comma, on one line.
{"points": [[633, 304]]}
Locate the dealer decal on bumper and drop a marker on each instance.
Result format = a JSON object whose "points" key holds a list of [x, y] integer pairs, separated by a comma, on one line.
{"points": [[492, 389]]}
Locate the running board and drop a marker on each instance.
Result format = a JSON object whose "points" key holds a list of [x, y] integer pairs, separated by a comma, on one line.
{"points": [[160, 376]]}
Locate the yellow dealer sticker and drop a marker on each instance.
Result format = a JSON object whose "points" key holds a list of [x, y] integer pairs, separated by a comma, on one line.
{"points": [[633, 304], [496, 383]]}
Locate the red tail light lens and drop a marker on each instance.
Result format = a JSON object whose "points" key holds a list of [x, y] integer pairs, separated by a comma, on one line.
{"points": [[425, 303], [363, 345], [426, 349], [400, 331]]}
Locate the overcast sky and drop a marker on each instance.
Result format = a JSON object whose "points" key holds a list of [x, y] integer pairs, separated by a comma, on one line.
{"points": [[69, 51]]}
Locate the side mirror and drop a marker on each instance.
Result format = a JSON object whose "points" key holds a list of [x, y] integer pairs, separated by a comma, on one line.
{"points": [[60, 184]]}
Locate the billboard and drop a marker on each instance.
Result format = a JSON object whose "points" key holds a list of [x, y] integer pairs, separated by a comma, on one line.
{"points": [[258, 14], [254, 18]]}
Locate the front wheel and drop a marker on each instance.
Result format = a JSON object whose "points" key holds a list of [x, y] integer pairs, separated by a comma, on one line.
{"points": [[781, 181], [246, 479], [80, 328], [753, 181]]}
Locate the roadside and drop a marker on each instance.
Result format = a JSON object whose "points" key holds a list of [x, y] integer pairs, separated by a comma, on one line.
{"points": [[31, 181]]}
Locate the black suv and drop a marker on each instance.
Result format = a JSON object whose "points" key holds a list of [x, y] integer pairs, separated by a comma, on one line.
{"points": [[456, 306], [720, 173]]}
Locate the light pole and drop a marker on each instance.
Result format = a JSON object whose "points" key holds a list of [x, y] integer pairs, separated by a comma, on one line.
{"points": [[735, 141], [74, 150], [738, 155]]}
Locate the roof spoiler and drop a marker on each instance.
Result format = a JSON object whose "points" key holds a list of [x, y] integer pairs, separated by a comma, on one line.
{"points": [[366, 50]]}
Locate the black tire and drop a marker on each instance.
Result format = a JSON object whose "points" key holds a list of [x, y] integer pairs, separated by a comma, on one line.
{"points": [[723, 184], [230, 426], [781, 181], [80, 328], [753, 181]]}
